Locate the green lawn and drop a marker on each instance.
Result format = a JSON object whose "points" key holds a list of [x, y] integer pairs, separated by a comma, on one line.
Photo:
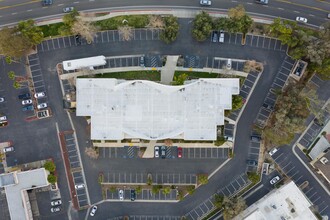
{"points": [[130, 75], [51, 29], [135, 21]]}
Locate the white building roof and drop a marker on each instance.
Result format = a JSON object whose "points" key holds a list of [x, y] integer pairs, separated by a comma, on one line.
{"points": [[321, 145], [287, 202], [152, 111], [17, 199], [84, 62]]}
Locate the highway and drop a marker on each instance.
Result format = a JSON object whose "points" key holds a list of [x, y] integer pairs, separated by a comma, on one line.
{"points": [[12, 11]]}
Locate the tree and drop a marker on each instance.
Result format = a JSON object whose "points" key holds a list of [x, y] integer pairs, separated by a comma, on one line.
{"points": [[252, 65], [202, 26], [237, 13], [85, 29], [202, 179], [323, 69], [50, 166], [218, 200], [52, 179], [237, 102], [166, 190], [156, 21], [191, 189], [12, 43], [171, 29], [232, 207], [70, 18], [17, 85], [149, 179], [221, 23], [30, 31], [138, 190], [92, 152], [179, 80], [125, 32], [11, 75], [156, 188], [239, 21]]}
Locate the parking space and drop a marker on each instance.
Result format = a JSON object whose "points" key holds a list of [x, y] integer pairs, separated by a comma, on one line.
{"points": [[205, 153], [288, 167], [220, 63], [229, 130], [191, 61], [149, 217], [157, 178], [238, 183], [101, 37], [146, 194], [81, 193], [70, 143], [4, 211]]}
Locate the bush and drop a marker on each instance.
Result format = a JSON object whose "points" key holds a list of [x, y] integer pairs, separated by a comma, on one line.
{"points": [[218, 200], [220, 141], [112, 189], [138, 190], [191, 189], [202, 179], [135, 21], [52, 178], [156, 188], [167, 190], [253, 177], [50, 166], [101, 178], [171, 30]]}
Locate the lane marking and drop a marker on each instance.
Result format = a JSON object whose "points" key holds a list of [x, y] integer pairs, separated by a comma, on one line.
{"points": [[301, 5], [280, 8], [20, 4]]}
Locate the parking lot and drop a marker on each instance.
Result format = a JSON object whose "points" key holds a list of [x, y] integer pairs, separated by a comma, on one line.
{"points": [[157, 178], [81, 193], [238, 183], [146, 194], [288, 167], [101, 37], [253, 155], [148, 217], [253, 41]]}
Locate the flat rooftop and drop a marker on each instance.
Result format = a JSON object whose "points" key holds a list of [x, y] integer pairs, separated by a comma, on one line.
{"points": [[152, 111], [287, 202]]}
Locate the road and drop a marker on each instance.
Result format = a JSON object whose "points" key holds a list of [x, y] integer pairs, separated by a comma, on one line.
{"points": [[16, 10]]}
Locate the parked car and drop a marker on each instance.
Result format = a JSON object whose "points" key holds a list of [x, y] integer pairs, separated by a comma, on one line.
{"points": [[179, 152], [222, 37], [142, 61], [133, 195], [252, 162], [329, 15], [255, 138], [93, 210], [55, 209], [42, 105], [205, 2], [214, 36], [39, 95], [80, 186], [68, 9], [27, 108], [272, 151], [27, 102], [56, 202], [121, 195], [24, 96], [8, 149], [47, 2], [156, 152], [78, 39], [163, 152], [2, 99], [3, 118], [228, 65], [301, 19], [263, 2], [267, 106], [274, 180]]}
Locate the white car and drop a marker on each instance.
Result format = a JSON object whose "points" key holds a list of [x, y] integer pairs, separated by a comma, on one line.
{"points": [[55, 209], [301, 19], [68, 9], [27, 102], [205, 2], [156, 152], [93, 211], [8, 149], [39, 95], [121, 195], [2, 99], [273, 151], [3, 118], [42, 105], [274, 180], [56, 203], [80, 186]]}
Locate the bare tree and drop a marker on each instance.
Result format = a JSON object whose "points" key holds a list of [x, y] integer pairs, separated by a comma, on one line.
{"points": [[232, 207], [156, 21], [92, 152], [252, 65], [85, 29], [125, 32]]}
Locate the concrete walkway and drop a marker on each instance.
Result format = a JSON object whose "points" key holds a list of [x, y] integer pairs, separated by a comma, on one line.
{"points": [[168, 70], [153, 143]]}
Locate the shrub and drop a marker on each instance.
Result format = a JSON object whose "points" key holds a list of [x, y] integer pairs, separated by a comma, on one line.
{"points": [[52, 178], [50, 166], [191, 189]]}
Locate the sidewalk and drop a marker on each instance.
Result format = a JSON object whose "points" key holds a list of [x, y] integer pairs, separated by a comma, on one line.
{"points": [[153, 143]]}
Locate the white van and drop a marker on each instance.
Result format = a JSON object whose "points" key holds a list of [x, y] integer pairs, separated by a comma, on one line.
{"points": [[222, 37]]}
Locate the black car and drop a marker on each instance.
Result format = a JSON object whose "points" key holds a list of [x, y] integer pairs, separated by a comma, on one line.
{"points": [[78, 39], [255, 138], [24, 96], [252, 162], [47, 2], [133, 195], [215, 36], [267, 106], [163, 152]]}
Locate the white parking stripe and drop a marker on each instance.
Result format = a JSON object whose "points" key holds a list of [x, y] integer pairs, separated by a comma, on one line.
{"points": [[323, 209]]}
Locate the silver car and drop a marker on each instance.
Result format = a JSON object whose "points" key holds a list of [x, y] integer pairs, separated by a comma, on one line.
{"points": [[2, 99], [301, 19], [27, 102], [93, 211], [68, 9], [274, 180], [121, 195], [205, 2], [42, 105]]}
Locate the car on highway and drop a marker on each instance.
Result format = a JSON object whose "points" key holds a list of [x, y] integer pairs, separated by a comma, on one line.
{"points": [[179, 152], [2, 99], [274, 180], [39, 95], [47, 2], [133, 195], [301, 19], [8, 149], [329, 15], [121, 195], [27, 108], [93, 210], [205, 2], [263, 2], [272, 151], [68, 9], [156, 152], [55, 209], [27, 102], [163, 152], [42, 105], [80, 186], [56, 202], [24, 96]]}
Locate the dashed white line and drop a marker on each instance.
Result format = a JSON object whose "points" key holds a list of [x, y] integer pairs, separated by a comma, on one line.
{"points": [[29, 10], [311, 15], [75, 2], [280, 8], [14, 13], [60, 4], [296, 11], [249, 3], [91, 0]]}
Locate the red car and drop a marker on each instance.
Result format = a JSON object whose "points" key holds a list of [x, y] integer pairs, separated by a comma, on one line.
{"points": [[179, 152]]}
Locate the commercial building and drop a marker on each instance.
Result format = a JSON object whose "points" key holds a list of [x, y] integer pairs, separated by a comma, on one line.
{"points": [[287, 202], [148, 110]]}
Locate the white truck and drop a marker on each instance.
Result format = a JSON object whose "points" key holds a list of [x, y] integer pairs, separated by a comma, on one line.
{"points": [[89, 62]]}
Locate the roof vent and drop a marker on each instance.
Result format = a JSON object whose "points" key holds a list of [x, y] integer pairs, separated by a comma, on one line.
{"points": [[324, 160]]}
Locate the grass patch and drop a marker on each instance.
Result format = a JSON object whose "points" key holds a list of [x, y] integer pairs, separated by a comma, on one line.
{"points": [[196, 75], [51, 29], [130, 75], [135, 21]]}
